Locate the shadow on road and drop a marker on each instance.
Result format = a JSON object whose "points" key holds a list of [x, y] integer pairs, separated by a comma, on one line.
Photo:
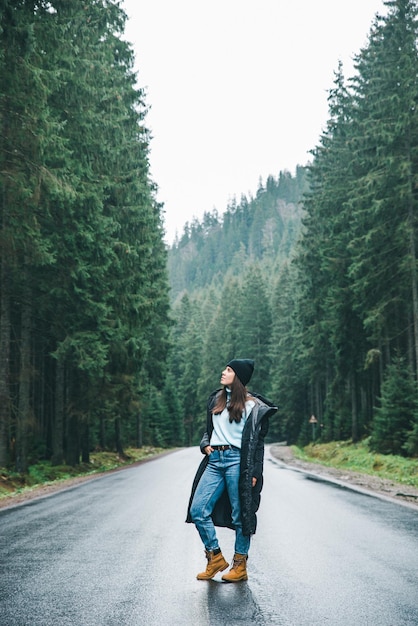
{"points": [[229, 603]]}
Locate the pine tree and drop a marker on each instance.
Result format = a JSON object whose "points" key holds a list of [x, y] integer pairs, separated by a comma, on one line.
{"points": [[398, 410], [253, 318], [384, 202], [411, 444], [185, 366], [173, 417], [286, 385], [330, 329], [223, 342]]}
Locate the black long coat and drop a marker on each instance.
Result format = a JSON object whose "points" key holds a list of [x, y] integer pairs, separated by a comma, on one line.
{"points": [[252, 458]]}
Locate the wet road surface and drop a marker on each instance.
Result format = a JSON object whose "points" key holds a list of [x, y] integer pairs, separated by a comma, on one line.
{"points": [[115, 551]]}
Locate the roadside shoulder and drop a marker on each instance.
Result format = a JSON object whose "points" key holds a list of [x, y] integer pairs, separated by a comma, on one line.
{"points": [[364, 483], [49, 489]]}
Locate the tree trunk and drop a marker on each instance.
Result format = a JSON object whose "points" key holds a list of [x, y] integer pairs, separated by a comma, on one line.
{"points": [[5, 404], [24, 409], [139, 440], [354, 418], [58, 421], [414, 288], [118, 439], [72, 454], [412, 249], [85, 442], [102, 432], [318, 400]]}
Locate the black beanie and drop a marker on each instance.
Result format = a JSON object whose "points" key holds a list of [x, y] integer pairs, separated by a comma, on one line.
{"points": [[243, 368]]}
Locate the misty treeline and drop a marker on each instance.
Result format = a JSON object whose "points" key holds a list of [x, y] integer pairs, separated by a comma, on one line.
{"points": [[84, 299], [329, 309]]}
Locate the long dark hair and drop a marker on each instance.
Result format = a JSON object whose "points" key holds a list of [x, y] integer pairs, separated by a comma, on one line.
{"points": [[239, 395]]}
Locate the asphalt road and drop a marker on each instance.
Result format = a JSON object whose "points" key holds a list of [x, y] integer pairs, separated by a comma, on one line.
{"points": [[115, 551]]}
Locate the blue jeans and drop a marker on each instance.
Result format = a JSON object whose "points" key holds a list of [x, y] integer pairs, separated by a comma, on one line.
{"points": [[222, 472]]}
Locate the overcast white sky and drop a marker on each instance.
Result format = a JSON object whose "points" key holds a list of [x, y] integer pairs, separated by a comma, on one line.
{"points": [[237, 90]]}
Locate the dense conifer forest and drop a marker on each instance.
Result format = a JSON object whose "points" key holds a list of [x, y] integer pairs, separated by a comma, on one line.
{"points": [[316, 276], [84, 302], [109, 338]]}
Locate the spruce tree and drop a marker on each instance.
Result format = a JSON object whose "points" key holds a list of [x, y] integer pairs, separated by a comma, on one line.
{"points": [[253, 318], [286, 381], [397, 413], [384, 201], [325, 310]]}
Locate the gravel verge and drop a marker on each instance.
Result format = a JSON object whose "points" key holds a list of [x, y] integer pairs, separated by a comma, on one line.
{"points": [[42, 491], [372, 485]]}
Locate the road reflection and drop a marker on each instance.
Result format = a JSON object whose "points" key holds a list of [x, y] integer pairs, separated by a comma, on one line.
{"points": [[229, 603]]}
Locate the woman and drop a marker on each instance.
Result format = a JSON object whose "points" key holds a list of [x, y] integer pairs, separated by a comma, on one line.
{"points": [[226, 489]]}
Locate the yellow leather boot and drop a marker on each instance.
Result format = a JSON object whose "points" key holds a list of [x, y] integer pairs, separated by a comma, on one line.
{"points": [[238, 570], [216, 563]]}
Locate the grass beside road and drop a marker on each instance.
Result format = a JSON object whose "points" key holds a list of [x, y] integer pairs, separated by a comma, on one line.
{"points": [[12, 483], [358, 458]]}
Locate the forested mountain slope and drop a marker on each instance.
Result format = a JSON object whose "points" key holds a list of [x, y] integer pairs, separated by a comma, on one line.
{"points": [[224, 273], [263, 228]]}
